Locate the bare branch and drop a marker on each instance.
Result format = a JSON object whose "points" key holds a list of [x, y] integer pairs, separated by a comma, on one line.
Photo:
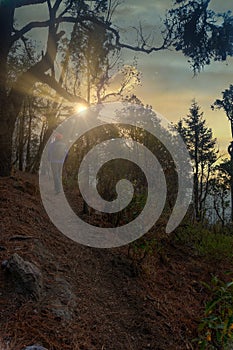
{"points": [[43, 24], [36, 24], [49, 6], [112, 94], [140, 47], [67, 8], [56, 5], [25, 82], [112, 8]]}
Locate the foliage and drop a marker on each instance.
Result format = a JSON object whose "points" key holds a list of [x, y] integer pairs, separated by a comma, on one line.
{"points": [[216, 246], [87, 55], [216, 327], [219, 190], [226, 103], [200, 33], [190, 27], [21, 57]]}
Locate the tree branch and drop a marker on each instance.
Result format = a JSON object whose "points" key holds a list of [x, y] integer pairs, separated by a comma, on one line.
{"points": [[36, 24], [55, 85], [65, 19], [25, 82], [42, 24], [67, 8], [56, 5], [140, 47]]}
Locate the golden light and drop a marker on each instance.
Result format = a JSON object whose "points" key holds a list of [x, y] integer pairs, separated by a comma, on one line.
{"points": [[80, 108]]}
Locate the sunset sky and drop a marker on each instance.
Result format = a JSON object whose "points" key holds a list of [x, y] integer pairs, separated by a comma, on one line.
{"points": [[168, 83]]}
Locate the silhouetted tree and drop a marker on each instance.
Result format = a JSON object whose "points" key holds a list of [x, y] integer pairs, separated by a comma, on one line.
{"points": [[226, 103], [200, 33], [219, 188], [202, 148]]}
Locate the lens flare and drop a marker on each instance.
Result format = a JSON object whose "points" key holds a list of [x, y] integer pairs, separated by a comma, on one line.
{"points": [[80, 108]]}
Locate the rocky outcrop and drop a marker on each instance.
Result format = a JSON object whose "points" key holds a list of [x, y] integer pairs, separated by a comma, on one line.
{"points": [[26, 276], [63, 302]]}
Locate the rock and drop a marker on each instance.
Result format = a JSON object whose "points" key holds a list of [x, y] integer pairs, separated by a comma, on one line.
{"points": [[34, 347], [61, 311], [63, 304], [4, 264], [26, 276]]}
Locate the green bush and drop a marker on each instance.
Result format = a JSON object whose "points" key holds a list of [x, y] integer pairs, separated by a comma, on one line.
{"points": [[216, 327], [205, 242]]}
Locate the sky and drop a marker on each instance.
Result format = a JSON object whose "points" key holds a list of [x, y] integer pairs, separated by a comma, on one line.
{"points": [[168, 83]]}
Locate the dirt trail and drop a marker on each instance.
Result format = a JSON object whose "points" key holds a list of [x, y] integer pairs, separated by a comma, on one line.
{"points": [[115, 307]]}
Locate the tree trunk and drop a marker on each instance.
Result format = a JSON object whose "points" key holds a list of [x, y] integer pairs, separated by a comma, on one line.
{"points": [[21, 139], [231, 173], [196, 191], [11, 102], [5, 147], [29, 136], [6, 113], [231, 183]]}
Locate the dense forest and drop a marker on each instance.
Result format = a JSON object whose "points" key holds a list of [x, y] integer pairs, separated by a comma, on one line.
{"points": [[129, 247]]}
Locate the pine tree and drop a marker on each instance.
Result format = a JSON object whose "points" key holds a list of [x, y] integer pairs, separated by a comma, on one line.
{"points": [[203, 153]]}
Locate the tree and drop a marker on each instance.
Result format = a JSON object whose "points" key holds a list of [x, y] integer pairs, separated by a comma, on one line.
{"points": [[202, 148], [11, 99], [186, 15], [226, 103], [200, 33], [84, 13], [219, 192]]}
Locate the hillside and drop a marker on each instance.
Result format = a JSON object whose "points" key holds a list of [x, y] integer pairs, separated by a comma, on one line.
{"points": [[95, 299]]}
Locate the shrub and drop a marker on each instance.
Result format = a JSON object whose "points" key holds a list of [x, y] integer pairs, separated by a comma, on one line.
{"points": [[216, 327]]}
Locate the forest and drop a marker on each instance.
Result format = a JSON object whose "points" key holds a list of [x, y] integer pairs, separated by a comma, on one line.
{"points": [[116, 223]]}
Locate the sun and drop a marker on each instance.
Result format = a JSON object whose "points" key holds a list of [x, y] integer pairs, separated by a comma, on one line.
{"points": [[80, 108]]}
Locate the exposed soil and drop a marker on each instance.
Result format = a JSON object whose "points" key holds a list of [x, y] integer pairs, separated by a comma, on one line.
{"points": [[106, 300]]}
